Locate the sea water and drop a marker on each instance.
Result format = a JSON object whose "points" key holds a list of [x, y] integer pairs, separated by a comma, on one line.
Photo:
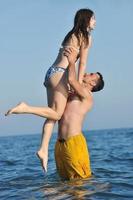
{"points": [[111, 154]]}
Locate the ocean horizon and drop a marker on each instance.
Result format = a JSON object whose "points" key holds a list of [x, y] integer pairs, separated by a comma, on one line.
{"points": [[55, 132], [111, 155]]}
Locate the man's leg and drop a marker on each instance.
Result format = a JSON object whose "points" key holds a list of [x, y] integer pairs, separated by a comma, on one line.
{"points": [[77, 164]]}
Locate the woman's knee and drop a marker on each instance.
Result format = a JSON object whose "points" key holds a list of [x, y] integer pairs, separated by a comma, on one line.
{"points": [[59, 115]]}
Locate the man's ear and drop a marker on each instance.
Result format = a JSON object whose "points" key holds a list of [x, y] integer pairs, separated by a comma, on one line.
{"points": [[85, 74], [93, 83]]}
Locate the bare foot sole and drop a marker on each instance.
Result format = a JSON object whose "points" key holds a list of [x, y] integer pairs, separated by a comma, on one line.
{"points": [[43, 159], [19, 109]]}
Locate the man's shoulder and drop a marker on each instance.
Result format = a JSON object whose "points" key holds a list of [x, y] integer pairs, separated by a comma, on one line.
{"points": [[88, 99], [87, 103], [89, 94]]}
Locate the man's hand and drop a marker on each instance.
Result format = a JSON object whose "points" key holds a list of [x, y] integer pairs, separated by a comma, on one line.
{"points": [[71, 55]]}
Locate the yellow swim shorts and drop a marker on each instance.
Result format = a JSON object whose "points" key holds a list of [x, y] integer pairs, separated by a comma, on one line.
{"points": [[72, 157]]}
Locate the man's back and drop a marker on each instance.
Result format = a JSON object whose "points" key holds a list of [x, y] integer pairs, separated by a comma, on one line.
{"points": [[72, 119]]}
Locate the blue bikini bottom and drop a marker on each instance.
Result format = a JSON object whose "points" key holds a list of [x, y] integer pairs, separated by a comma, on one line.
{"points": [[52, 70]]}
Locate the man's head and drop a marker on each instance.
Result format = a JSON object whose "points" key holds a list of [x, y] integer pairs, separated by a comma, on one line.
{"points": [[94, 81]]}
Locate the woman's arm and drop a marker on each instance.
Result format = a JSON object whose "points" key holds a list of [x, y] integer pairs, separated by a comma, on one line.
{"points": [[83, 59], [79, 89]]}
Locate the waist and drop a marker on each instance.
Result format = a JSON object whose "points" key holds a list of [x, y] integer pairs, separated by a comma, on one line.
{"points": [[63, 139], [61, 60]]}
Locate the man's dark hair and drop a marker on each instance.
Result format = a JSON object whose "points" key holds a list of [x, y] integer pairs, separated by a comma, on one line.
{"points": [[100, 83]]}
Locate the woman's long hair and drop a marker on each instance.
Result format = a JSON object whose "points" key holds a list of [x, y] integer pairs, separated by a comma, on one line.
{"points": [[81, 22]]}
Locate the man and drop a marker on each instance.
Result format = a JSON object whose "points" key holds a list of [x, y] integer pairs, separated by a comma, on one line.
{"points": [[71, 153]]}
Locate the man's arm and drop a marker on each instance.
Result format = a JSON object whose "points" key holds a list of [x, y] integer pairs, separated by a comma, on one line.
{"points": [[79, 89]]}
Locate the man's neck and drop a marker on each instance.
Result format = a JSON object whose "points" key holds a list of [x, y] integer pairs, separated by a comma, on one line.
{"points": [[87, 86]]}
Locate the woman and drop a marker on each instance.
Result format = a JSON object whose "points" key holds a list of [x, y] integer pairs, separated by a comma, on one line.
{"points": [[78, 38]]}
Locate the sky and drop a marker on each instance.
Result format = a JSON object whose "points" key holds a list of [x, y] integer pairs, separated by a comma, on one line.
{"points": [[31, 32]]}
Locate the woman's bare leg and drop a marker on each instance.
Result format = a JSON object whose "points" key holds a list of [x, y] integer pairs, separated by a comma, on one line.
{"points": [[24, 108], [46, 135], [47, 112], [57, 98]]}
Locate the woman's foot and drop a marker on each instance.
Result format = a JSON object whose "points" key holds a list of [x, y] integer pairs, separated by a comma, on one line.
{"points": [[43, 156], [19, 109]]}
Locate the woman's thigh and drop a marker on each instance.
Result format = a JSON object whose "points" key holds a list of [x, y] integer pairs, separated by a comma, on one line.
{"points": [[58, 78], [57, 92]]}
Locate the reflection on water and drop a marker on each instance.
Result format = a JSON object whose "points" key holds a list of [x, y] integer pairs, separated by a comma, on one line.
{"points": [[74, 189]]}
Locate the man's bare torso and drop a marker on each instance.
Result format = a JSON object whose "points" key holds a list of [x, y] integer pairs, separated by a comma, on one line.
{"points": [[72, 119]]}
